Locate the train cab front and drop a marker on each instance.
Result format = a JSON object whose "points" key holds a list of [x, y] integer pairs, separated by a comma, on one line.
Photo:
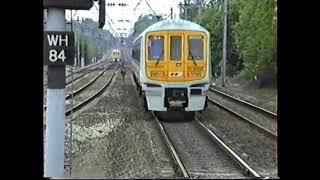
{"points": [[176, 70]]}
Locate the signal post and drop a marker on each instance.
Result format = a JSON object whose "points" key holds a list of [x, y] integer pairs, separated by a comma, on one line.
{"points": [[59, 52]]}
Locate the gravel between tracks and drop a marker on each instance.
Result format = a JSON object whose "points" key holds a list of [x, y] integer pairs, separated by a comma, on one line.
{"points": [[114, 138]]}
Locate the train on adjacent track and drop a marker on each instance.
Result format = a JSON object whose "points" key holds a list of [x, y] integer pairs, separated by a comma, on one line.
{"points": [[115, 55], [172, 67]]}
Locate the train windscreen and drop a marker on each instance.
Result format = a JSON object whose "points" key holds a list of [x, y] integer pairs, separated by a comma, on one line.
{"points": [[195, 48], [156, 48]]}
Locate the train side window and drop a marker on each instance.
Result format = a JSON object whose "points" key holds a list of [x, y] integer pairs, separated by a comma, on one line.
{"points": [[136, 52], [156, 48], [138, 55], [175, 48], [195, 48]]}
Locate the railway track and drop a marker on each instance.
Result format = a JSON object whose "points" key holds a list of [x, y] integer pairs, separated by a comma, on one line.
{"points": [[84, 68], [79, 77], [259, 118], [77, 74], [249, 105], [93, 95], [75, 78], [199, 153], [79, 90]]}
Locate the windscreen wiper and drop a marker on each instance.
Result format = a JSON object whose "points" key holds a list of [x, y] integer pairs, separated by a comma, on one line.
{"points": [[159, 57], [194, 61]]}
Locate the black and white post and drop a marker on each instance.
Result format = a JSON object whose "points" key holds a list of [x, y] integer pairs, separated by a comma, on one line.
{"points": [[55, 117], [58, 52]]}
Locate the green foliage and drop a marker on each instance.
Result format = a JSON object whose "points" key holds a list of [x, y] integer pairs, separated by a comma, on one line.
{"points": [[143, 23], [211, 20], [192, 13], [251, 36], [234, 62], [255, 36], [90, 48]]}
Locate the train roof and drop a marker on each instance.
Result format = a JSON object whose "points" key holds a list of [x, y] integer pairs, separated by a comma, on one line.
{"points": [[173, 24]]}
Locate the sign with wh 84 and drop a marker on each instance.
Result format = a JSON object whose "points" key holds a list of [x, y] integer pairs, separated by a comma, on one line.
{"points": [[58, 48]]}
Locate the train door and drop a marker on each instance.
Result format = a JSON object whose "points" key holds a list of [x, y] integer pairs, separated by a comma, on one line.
{"points": [[175, 69]]}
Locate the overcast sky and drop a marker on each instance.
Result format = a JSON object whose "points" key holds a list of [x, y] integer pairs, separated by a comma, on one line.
{"points": [[131, 12]]}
